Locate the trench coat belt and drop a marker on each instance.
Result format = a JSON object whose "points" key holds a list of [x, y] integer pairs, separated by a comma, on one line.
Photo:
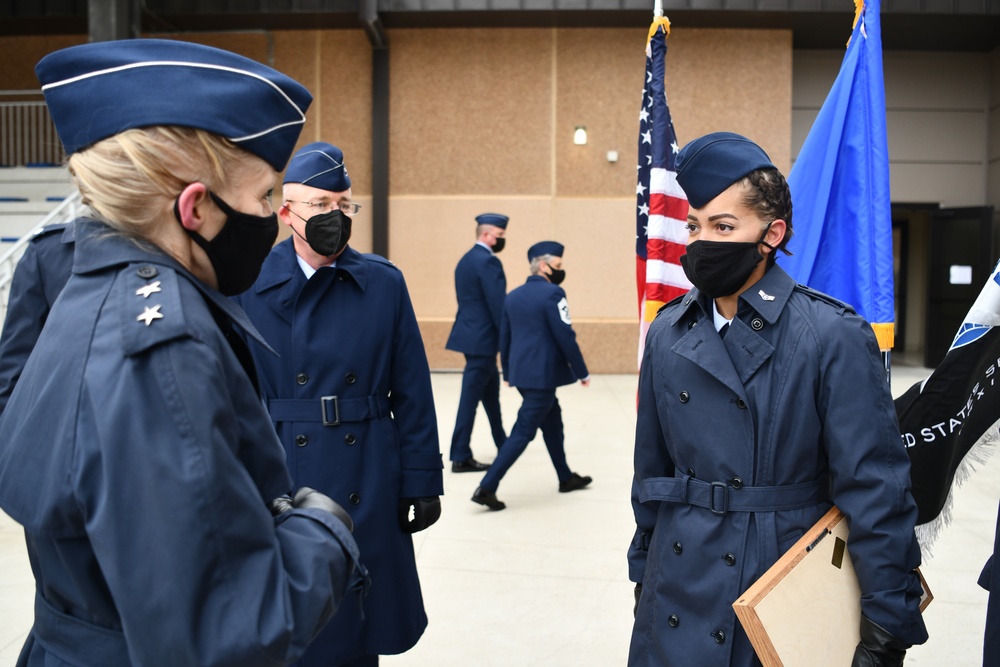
{"points": [[722, 497], [329, 410], [67, 637]]}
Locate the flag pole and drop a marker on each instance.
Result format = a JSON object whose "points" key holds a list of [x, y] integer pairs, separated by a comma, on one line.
{"points": [[657, 8]]}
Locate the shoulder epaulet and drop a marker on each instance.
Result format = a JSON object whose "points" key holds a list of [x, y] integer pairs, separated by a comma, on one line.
{"points": [[826, 298], [151, 306], [675, 300], [49, 230], [379, 259]]}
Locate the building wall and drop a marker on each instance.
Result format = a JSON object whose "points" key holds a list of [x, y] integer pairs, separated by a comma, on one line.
{"points": [[482, 120]]}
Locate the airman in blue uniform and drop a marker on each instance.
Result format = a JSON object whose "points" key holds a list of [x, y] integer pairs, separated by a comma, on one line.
{"points": [[137, 455], [761, 404], [38, 279], [538, 352], [480, 286], [351, 398]]}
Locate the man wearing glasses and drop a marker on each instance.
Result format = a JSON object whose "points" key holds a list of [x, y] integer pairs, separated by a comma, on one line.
{"points": [[350, 396]]}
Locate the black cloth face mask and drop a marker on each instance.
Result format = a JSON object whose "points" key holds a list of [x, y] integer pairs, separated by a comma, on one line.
{"points": [[557, 276], [500, 242], [239, 249], [720, 268], [327, 233]]}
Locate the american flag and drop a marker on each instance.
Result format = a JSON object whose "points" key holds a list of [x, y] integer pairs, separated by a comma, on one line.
{"points": [[661, 204]]}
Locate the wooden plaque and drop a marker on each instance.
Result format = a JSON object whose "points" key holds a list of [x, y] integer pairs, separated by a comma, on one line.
{"points": [[806, 609]]}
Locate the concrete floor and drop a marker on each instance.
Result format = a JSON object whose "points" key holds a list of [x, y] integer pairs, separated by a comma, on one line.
{"points": [[545, 581]]}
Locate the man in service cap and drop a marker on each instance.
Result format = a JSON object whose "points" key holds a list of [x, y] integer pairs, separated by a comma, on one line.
{"points": [[350, 396], [538, 353], [761, 404], [481, 287]]}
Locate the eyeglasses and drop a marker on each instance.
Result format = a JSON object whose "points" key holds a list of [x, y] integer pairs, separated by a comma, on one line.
{"points": [[346, 207]]}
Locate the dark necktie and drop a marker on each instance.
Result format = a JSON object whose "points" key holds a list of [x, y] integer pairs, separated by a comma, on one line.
{"points": [[723, 330]]}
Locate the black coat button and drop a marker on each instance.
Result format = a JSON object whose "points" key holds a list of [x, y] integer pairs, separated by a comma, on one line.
{"points": [[673, 621], [719, 636], [730, 559], [736, 483], [301, 440], [684, 396], [147, 272], [301, 378], [741, 404], [756, 324], [355, 499], [350, 439], [351, 378], [678, 548], [690, 472]]}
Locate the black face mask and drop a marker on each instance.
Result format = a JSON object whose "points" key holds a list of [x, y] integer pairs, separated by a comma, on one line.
{"points": [[500, 242], [239, 249], [557, 276], [720, 268], [327, 233]]}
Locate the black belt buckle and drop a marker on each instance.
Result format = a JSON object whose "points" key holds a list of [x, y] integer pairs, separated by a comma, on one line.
{"points": [[326, 402], [725, 498]]}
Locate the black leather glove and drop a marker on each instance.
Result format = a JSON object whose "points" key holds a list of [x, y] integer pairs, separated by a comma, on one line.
{"points": [[638, 594], [281, 504], [306, 498], [425, 512], [877, 647]]}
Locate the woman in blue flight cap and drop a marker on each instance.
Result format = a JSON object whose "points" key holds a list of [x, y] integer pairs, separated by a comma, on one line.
{"points": [[761, 403], [136, 453]]}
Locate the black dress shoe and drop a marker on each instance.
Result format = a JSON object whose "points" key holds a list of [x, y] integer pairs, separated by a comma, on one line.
{"points": [[469, 465], [574, 483], [488, 498]]}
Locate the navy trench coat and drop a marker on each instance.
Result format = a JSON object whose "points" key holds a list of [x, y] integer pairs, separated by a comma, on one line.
{"points": [[138, 457], [350, 332], [761, 431]]}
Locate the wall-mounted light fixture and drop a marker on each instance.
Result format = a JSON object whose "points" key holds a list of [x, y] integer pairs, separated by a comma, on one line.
{"points": [[580, 135]]}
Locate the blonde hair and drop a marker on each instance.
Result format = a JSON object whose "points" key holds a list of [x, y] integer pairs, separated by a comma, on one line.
{"points": [[131, 179]]}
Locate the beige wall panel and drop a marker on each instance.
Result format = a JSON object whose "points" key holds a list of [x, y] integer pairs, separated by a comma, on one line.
{"points": [[344, 102], [296, 55], [937, 136], [471, 111], [802, 122], [935, 80], [947, 184], [430, 234], [813, 76], [599, 235], [599, 86], [710, 89], [250, 44], [22, 53]]}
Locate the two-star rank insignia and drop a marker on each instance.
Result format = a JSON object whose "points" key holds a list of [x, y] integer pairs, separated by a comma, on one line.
{"points": [[150, 314], [146, 290]]}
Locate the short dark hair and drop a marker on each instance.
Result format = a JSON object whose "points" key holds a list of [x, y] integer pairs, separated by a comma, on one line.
{"points": [[766, 193]]}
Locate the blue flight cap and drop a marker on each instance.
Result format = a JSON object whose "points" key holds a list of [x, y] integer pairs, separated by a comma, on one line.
{"points": [[319, 165], [495, 219], [545, 248], [95, 91], [707, 166]]}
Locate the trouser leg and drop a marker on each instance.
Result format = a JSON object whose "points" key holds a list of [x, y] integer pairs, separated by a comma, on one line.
{"points": [[552, 433], [535, 406], [475, 378], [491, 404]]}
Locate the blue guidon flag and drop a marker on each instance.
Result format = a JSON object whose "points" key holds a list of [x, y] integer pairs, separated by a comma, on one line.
{"points": [[950, 420]]}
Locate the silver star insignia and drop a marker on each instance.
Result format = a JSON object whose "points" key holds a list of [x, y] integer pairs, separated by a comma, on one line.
{"points": [[765, 296], [150, 314], [146, 290]]}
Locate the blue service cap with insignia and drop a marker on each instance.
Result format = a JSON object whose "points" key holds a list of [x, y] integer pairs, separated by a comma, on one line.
{"points": [[707, 166], [495, 219], [545, 248], [319, 165], [95, 91]]}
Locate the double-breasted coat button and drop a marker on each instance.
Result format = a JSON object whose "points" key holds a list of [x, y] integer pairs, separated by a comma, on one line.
{"points": [[756, 324], [678, 548], [673, 621], [690, 472], [350, 439], [147, 272], [719, 636], [354, 498], [684, 396], [301, 440], [351, 378], [736, 482], [301, 378], [729, 559], [740, 403]]}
